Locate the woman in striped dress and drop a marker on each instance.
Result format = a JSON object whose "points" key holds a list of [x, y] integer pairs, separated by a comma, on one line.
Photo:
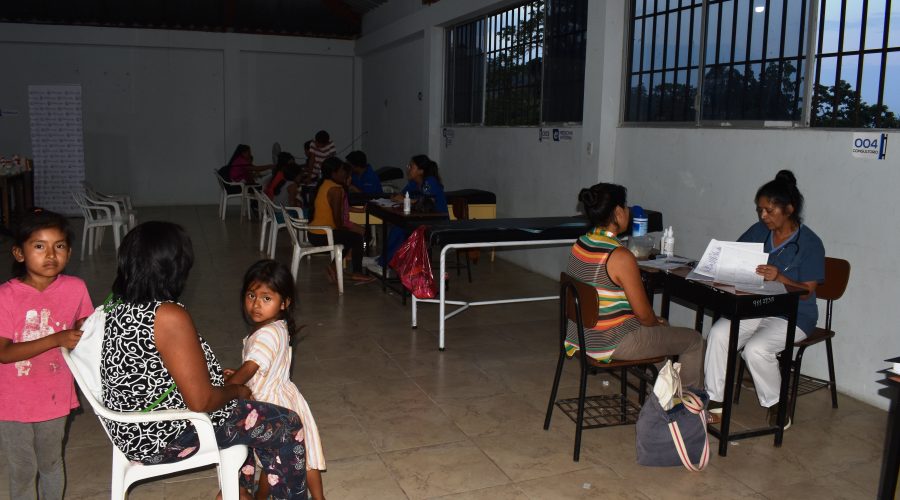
{"points": [[627, 327]]}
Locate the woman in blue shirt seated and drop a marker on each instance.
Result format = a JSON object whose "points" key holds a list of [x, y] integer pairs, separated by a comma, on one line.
{"points": [[796, 258], [424, 182]]}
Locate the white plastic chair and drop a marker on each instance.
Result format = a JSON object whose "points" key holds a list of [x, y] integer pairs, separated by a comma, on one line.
{"points": [[121, 201], [269, 215], [243, 194], [96, 217], [228, 461], [298, 228]]}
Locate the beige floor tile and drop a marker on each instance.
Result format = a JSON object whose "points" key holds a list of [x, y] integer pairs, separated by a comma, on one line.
{"points": [[591, 482], [381, 390], [363, 478], [440, 470], [525, 454], [503, 492], [823, 487]]}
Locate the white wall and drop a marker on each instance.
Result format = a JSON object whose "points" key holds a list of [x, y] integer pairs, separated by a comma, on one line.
{"points": [[703, 180], [393, 114], [162, 108]]}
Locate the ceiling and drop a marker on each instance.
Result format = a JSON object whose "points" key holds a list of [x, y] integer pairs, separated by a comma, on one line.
{"points": [[319, 18]]}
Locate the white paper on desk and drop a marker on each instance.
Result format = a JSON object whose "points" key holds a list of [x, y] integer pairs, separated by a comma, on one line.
{"points": [[738, 265], [661, 264], [383, 202], [767, 288], [709, 263]]}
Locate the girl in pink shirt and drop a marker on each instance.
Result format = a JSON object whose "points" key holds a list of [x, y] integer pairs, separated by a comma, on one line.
{"points": [[40, 309]]}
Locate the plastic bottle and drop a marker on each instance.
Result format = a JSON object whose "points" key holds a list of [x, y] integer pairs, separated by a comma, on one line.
{"points": [[668, 242], [638, 222], [407, 204]]}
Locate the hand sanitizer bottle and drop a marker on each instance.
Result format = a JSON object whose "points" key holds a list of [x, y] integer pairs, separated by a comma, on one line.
{"points": [[668, 243], [407, 204]]}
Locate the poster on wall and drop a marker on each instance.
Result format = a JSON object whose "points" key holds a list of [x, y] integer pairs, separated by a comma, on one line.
{"points": [[57, 145]]}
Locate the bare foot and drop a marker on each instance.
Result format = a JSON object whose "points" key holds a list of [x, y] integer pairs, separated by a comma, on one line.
{"points": [[332, 274]]}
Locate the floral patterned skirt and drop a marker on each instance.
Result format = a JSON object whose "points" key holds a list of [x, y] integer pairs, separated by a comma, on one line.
{"points": [[274, 433]]}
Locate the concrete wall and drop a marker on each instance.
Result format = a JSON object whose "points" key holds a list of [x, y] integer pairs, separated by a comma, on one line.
{"points": [[162, 108], [703, 180]]}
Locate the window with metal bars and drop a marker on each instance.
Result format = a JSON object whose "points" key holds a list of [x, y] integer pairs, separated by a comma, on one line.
{"points": [[521, 66], [753, 57], [857, 75]]}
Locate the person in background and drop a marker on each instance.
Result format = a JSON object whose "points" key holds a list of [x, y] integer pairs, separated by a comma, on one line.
{"points": [[329, 210], [796, 258], [242, 167], [282, 189], [322, 147], [627, 328], [363, 179], [424, 182]]}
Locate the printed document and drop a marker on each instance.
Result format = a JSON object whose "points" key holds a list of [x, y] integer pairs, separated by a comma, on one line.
{"points": [[735, 263]]}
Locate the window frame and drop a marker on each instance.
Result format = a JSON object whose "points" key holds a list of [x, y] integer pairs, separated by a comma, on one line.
{"points": [[485, 64], [811, 58]]}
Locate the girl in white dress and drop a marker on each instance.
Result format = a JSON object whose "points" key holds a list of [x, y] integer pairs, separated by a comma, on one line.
{"points": [[267, 298]]}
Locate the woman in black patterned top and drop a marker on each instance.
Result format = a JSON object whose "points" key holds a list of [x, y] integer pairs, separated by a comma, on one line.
{"points": [[153, 359]]}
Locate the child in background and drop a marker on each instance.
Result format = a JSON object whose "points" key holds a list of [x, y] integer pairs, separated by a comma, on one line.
{"points": [[39, 311], [267, 297]]}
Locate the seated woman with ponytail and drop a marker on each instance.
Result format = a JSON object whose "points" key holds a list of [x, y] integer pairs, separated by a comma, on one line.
{"points": [[796, 258], [627, 327]]}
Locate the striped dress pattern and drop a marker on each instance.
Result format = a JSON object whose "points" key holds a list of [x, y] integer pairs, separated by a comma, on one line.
{"points": [[587, 263], [269, 347]]}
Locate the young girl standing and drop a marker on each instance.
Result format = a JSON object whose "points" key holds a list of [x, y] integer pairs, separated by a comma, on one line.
{"points": [[39, 311], [267, 299]]}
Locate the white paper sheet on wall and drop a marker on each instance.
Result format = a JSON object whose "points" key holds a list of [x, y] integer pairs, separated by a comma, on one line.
{"points": [[57, 145]]}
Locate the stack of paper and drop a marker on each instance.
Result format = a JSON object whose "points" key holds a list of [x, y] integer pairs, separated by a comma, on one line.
{"points": [[735, 263]]}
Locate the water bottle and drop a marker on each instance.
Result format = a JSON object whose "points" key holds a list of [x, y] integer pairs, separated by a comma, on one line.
{"points": [[407, 204], [638, 222]]}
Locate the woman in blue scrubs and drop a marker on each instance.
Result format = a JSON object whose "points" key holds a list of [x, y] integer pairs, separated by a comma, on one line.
{"points": [[796, 258]]}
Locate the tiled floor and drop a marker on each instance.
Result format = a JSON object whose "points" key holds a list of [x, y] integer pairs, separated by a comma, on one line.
{"points": [[400, 419]]}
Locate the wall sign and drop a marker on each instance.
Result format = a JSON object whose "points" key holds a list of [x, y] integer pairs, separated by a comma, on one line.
{"points": [[870, 146]]}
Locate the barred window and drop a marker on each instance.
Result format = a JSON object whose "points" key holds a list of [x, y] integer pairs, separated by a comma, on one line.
{"points": [[521, 66], [857, 79], [754, 60]]}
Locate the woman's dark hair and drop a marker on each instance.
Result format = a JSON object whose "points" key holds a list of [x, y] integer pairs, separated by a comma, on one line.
{"points": [[322, 137], [428, 166], [154, 261], [782, 191], [306, 146], [238, 151], [276, 276], [33, 221], [600, 201]]}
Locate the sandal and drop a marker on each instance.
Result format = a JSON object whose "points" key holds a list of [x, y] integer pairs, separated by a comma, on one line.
{"points": [[714, 413], [362, 278]]}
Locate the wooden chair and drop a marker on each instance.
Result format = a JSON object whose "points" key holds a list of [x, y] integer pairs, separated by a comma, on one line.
{"points": [[459, 208], [578, 302], [837, 274]]}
